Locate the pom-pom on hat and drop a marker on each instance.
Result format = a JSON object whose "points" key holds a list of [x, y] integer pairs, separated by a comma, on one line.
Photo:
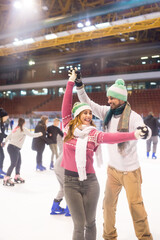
{"points": [[118, 90], [78, 107], [3, 113]]}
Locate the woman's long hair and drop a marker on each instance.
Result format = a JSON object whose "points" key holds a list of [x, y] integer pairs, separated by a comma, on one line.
{"points": [[43, 121], [21, 121], [73, 124]]}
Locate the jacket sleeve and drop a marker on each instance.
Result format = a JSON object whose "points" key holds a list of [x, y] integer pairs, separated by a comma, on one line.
{"points": [[98, 110], [67, 104], [117, 137]]}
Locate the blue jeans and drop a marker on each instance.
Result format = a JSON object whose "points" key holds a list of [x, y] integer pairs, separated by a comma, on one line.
{"points": [[82, 198]]}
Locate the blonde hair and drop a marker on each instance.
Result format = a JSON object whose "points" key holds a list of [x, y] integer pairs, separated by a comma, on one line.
{"points": [[73, 124]]}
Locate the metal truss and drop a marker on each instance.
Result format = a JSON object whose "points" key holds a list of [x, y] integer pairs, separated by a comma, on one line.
{"points": [[84, 36]]}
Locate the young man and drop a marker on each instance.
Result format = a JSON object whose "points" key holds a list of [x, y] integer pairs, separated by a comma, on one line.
{"points": [[153, 123], [123, 166]]}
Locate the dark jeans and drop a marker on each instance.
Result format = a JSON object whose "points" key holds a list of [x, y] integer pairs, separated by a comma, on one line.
{"points": [[39, 156], [82, 198], [15, 156], [1, 157]]}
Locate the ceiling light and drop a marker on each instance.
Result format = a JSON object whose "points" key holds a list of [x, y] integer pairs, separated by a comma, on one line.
{"points": [[152, 83], [28, 41], [87, 23], [17, 5], [156, 56], [123, 39], [17, 42], [143, 62], [142, 58], [31, 62], [80, 25], [131, 38], [88, 29], [62, 34], [50, 36], [103, 25]]}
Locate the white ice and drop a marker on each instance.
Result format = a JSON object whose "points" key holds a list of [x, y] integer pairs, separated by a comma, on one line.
{"points": [[25, 208]]}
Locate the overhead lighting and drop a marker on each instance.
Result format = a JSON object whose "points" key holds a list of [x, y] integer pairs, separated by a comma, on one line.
{"points": [[17, 42], [123, 39], [87, 23], [53, 71], [28, 41], [142, 58], [143, 62], [62, 34], [80, 25], [156, 56], [131, 38], [153, 83], [75, 31], [31, 62], [17, 5], [88, 29], [50, 36], [103, 25]]}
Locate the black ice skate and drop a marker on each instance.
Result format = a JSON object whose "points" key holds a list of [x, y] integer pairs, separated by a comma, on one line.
{"points": [[8, 182], [19, 180]]}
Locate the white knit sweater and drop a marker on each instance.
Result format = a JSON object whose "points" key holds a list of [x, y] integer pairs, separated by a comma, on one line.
{"points": [[129, 161]]}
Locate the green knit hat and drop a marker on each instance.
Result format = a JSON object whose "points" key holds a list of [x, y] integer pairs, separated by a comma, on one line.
{"points": [[118, 90], [78, 107]]}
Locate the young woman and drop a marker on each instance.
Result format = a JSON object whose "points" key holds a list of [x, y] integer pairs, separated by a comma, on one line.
{"points": [[16, 139], [38, 144], [81, 140], [3, 118]]}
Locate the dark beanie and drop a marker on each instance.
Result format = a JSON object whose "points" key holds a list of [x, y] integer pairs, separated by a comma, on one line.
{"points": [[3, 113]]}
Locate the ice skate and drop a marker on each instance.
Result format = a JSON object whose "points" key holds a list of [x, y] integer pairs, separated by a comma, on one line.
{"points": [[67, 212], [39, 168], [56, 209], [51, 165], [154, 156], [2, 172], [8, 182], [19, 180]]}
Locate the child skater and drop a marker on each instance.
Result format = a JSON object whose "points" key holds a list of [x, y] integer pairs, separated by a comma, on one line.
{"points": [[16, 139], [81, 140]]}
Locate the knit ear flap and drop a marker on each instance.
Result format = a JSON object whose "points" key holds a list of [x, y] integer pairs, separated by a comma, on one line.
{"points": [[75, 107]]}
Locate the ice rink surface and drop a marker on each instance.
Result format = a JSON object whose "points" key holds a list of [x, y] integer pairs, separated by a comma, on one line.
{"points": [[25, 208]]}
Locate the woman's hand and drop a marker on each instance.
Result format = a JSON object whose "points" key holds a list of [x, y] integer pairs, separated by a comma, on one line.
{"points": [[72, 75]]}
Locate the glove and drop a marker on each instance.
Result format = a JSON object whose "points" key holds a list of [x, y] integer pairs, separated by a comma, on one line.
{"points": [[72, 75], [78, 81], [141, 132]]}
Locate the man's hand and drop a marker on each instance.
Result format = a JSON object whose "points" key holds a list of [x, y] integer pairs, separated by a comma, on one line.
{"points": [[142, 132]]}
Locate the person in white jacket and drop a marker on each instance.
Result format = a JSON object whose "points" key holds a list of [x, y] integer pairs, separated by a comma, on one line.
{"points": [[16, 139], [123, 166]]}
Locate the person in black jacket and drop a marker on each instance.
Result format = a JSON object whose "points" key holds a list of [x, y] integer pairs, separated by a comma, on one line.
{"points": [[38, 144], [3, 118], [153, 123], [53, 131]]}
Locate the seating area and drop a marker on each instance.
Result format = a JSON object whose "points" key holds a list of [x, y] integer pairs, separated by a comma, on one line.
{"points": [[142, 101]]}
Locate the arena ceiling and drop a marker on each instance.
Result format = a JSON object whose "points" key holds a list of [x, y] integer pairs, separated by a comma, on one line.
{"points": [[130, 28]]}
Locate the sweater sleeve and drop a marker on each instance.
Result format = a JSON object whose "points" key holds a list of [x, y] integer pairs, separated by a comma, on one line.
{"points": [[67, 104], [34, 135], [117, 137]]}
